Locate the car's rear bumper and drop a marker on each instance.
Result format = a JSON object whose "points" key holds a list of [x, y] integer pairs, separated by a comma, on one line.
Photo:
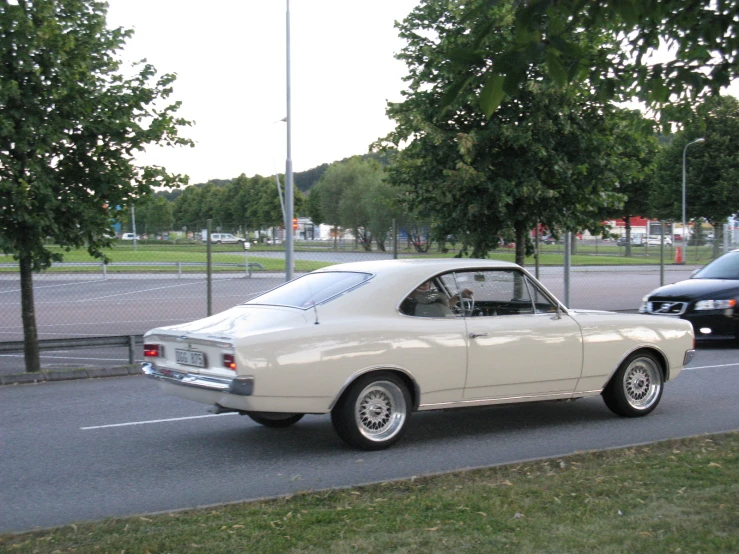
{"points": [[240, 386]]}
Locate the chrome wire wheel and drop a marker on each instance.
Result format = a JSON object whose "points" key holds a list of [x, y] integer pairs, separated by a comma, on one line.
{"points": [[642, 383], [636, 387], [380, 411]]}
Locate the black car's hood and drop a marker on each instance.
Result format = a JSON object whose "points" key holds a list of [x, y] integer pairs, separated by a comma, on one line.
{"points": [[698, 288]]}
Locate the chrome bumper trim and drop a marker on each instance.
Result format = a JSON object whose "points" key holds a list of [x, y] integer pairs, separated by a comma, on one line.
{"points": [[242, 386], [688, 356]]}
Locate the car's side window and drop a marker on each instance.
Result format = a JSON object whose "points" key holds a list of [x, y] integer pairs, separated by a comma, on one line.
{"points": [[496, 292], [430, 298]]}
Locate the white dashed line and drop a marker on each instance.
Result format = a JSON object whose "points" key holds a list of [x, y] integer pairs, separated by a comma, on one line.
{"points": [[152, 421]]}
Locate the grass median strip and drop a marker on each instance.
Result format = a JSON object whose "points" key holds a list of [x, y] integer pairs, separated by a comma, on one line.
{"points": [[674, 496]]}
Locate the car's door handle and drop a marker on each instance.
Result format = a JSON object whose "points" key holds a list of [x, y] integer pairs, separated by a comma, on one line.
{"points": [[475, 335]]}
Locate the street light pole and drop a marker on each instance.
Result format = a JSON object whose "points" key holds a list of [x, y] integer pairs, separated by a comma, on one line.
{"points": [[288, 166], [685, 150]]}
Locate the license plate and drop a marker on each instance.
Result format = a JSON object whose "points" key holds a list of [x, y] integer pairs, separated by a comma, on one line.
{"points": [[190, 357]]}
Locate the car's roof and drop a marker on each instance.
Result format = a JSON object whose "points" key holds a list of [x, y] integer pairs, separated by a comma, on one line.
{"points": [[416, 266], [392, 280], [410, 272]]}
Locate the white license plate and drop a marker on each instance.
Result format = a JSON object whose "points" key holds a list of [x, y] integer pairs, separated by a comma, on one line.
{"points": [[190, 357]]}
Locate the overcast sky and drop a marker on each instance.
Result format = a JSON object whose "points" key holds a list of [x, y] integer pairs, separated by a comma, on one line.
{"points": [[229, 57]]}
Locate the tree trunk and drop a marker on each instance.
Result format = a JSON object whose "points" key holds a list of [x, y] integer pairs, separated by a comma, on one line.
{"points": [[627, 222], [28, 314], [521, 230]]}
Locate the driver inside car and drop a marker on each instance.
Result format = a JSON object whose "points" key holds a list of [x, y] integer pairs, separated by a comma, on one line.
{"points": [[428, 301]]}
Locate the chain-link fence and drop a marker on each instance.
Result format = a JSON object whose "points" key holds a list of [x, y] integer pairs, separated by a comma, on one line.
{"points": [[155, 283]]}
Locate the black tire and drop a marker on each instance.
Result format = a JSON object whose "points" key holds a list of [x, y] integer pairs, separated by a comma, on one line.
{"points": [[373, 413], [275, 421], [636, 387]]}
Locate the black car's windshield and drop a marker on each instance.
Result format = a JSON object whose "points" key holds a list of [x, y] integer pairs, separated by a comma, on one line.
{"points": [[311, 289], [725, 267]]}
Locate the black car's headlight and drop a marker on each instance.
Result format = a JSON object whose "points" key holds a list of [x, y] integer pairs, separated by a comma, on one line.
{"points": [[714, 304]]}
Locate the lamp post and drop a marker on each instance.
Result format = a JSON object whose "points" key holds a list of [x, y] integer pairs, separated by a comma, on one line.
{"points": [[288, 164], [685, 150]]}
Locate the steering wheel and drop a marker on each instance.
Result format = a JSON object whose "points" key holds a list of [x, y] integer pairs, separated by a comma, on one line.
{"points": [[464, 305], [467, 305]]}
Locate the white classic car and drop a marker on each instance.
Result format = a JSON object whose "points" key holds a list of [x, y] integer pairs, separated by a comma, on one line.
{"points": [[372, 342]]}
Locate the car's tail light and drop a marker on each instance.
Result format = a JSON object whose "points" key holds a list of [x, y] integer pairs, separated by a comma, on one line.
{"points": [[229, 361], [152, 350]]}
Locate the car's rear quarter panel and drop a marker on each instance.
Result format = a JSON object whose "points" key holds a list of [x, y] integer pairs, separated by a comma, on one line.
{"points": [[310, 365]]}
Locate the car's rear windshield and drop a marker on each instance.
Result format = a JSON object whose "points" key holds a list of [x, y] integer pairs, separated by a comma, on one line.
{"points": [[312, 289], [725, 267]]}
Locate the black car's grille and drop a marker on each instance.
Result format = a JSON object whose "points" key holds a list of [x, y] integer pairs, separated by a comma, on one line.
{"points": [[666, 307]]}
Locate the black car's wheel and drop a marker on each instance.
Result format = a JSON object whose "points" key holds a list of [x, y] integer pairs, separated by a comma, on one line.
{"points": [[636, 387], [276, 421], [373, 414]]}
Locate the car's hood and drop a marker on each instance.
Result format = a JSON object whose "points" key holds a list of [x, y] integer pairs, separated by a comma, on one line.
{"points": [[238, 321], [694, 288]]}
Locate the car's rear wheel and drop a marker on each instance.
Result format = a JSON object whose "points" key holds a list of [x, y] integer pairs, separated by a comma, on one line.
{"points": [[276, 421], [636, 387], [373, 414]]}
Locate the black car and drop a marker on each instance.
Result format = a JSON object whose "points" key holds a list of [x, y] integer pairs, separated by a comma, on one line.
{"points": [[709, 299]]}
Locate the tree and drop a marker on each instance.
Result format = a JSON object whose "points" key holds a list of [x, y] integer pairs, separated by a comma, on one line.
{"points": [[544, 157], [154, 215], [70, 126], [347, 195], [702, 34], [635, 153], [187, 209], [712, 179]]}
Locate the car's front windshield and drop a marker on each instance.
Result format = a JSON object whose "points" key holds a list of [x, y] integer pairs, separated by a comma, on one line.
{"points": [[725, 267], [312, 289]]}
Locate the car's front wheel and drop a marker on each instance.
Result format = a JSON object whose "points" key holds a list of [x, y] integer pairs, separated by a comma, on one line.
{"points": [[636, 387], [374, 412], [276, 421]]}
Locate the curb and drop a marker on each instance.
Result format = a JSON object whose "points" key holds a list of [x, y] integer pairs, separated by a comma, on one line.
{"points": [[70, 375]]}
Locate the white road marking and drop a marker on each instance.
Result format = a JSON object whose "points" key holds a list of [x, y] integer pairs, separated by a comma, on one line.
{"points": [[37, 287], [153, 421]]}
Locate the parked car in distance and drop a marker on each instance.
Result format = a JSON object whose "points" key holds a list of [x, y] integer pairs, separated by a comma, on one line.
{"points": [[636, 240], [130, 236], [709, 299], [656, 241], [548, 239], [371, 342], [225, 238]]}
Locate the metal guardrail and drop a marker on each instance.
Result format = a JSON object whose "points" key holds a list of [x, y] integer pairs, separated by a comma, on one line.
{"points": [[248, 266], [129, 341]]}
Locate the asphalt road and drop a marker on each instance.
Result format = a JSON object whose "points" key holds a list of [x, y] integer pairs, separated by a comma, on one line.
{"points": [[85, 450], [70, 306]]}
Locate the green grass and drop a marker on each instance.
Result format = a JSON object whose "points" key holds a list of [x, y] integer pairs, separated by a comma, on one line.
{"points": [[674, 496], [165, 253]]}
